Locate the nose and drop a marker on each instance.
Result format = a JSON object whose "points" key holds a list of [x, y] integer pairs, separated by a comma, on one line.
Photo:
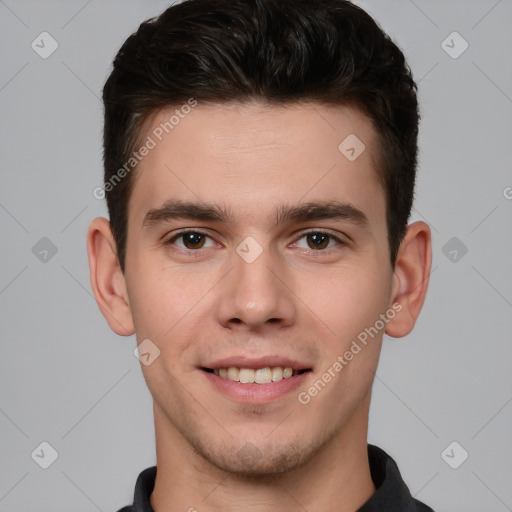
{"points": [[255, 295]]}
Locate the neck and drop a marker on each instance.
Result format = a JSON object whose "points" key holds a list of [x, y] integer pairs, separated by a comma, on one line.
{"points": [[336, 479]]}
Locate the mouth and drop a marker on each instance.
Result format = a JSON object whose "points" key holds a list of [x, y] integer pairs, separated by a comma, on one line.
{"points": [[256, 380], [264, 375]]}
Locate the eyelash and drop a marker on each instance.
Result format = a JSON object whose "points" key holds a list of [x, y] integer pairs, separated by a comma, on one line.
{"points": [[170, 241]]}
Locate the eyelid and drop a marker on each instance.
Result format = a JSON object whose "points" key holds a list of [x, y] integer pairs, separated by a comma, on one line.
{"points": [[169, 240], [341, 238]]}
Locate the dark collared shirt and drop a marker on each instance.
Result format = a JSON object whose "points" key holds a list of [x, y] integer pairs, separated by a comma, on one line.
{"points": [[392, 494]]}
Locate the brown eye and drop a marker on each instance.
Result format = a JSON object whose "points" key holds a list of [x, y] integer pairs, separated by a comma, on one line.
{"points": [[193, 240], [317, 240], [190, 241]]}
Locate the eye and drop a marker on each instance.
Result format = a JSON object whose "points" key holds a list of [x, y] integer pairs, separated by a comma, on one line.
{"points": [[190, 240], [318, 240]]}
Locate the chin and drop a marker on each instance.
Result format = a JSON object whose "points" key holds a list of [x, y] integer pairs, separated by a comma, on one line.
{"points": [[252, 462]]}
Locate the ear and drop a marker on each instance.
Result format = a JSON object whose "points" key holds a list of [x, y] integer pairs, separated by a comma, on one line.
{"points": [[410, 278], [107, 279]]}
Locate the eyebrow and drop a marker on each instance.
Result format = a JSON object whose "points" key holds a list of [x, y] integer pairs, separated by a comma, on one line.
{"points": [[176, 209], [322, 211]]}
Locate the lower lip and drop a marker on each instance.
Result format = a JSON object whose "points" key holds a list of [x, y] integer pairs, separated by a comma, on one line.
{"points": [[255, 393]]}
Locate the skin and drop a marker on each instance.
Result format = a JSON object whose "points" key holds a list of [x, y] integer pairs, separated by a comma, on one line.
{"points": [[308, 304]]}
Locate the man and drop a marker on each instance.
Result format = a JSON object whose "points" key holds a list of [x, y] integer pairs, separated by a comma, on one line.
{"points": [[260, 160]]}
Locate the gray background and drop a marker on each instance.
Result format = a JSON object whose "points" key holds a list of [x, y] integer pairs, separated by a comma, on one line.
{"points": [[68, 380]]}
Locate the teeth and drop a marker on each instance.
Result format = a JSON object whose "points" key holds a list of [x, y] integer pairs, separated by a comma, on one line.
{"points": [[260, 376], [277, 374], [233, 373], [263, 376], [246, 375]]}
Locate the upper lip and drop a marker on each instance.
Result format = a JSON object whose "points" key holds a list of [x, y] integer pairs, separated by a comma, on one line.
{"points": [[257, 362]]}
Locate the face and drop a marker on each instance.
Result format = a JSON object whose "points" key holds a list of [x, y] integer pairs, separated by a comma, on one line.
{"points": [[256, 242]]}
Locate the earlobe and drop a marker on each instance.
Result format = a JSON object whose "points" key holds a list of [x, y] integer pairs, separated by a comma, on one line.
{"points": [[107, 279], [411, 278]]}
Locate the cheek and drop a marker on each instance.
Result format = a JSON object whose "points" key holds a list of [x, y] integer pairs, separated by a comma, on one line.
{"points": [[163, 301], [346, 302]]}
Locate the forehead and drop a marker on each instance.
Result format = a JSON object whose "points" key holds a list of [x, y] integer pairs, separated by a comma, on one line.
{"points": [[252, 157]]}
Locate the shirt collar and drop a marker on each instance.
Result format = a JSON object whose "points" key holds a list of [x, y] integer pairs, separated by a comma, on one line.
{"points": [[392, 494]]}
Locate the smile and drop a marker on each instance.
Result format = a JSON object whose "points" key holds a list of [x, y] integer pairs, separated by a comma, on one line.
{"points": [[264, 375]]}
